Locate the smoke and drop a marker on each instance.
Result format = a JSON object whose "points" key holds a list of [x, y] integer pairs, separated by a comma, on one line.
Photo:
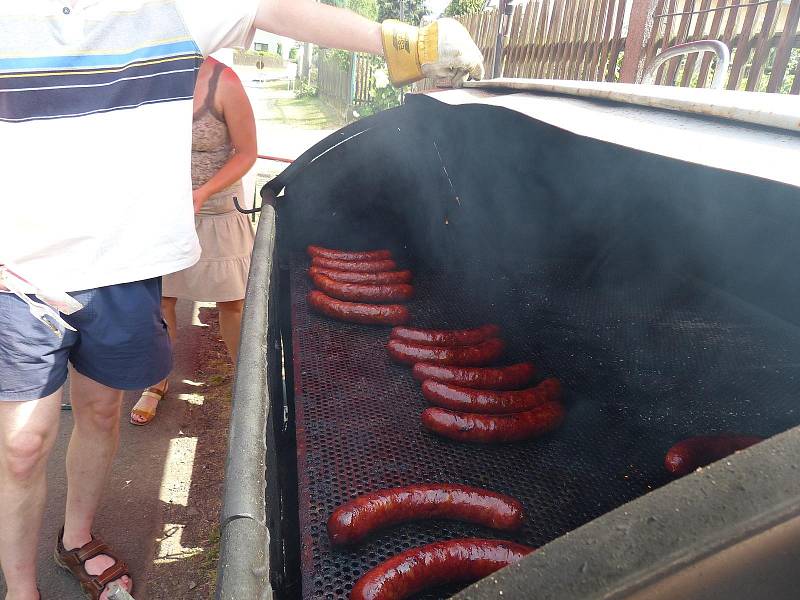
{"points": [[662, 293]]}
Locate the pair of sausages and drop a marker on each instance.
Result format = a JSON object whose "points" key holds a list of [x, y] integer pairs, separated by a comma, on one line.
{"points": [[352, 286], [417, 569], [492, 416], [695, 452], [460, 347]]}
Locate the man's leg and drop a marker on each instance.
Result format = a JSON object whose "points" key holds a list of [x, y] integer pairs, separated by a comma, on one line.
{"points": [[27, 433], [96, 410]]}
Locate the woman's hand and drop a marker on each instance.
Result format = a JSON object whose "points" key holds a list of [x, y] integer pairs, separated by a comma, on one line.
{"points": [[199, 197]]}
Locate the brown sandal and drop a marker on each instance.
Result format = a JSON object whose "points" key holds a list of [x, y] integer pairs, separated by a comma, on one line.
{"points": [[74, 561], [148, 415]]}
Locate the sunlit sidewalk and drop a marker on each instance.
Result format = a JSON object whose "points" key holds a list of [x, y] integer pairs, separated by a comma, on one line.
{"points": [[161, 507]]}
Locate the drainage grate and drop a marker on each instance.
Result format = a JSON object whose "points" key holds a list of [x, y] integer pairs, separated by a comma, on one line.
{"points": [[644, 366]]}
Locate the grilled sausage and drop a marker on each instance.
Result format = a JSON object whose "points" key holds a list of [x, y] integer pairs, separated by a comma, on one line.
{"points": [[479, 354], [459, 560], [512, 377], [695, 452], [445, 337], [488, 429], [466, 399], [355, 520], [356, 312], [347, 255], [363, 292], [380, 277], [368, 266]]}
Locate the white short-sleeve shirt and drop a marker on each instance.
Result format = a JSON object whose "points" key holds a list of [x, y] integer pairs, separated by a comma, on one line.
{"points": [[95, 134]]}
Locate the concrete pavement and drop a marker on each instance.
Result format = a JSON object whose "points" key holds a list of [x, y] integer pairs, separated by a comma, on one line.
{"points": [[274, 138], [147, 515]]}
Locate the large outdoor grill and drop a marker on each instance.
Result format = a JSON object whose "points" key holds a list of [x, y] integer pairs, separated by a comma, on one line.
{"points": [[644, 262]]}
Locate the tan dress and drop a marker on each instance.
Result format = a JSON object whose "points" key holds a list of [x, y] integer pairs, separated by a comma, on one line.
{"points": [[226, 236]]}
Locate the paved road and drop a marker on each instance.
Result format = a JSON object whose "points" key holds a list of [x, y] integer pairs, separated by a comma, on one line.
{"points": [[274, 138]]}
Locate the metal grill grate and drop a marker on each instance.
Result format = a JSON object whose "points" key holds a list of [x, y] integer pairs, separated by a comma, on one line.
{"points": [[644, 366]]}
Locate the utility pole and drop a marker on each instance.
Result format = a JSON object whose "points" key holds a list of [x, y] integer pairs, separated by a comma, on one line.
{"points": [[505, 10], [305, 68]]}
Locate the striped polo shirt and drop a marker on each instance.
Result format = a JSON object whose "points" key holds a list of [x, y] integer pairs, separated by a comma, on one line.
{"points": [[96, 133]]}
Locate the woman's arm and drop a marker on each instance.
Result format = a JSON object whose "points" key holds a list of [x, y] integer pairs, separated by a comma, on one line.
{"points": [[238, 115], [309, 21]]}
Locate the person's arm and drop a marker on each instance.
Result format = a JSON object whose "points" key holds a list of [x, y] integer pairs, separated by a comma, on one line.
{"points": [[309, 21], [442, 49], [238, 115]]}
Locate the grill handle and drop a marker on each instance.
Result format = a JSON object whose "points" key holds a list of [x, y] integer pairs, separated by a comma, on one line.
{"points": [[720, 49]]}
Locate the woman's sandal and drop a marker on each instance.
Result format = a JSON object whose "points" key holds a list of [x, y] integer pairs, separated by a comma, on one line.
{"points": [[148, 415], [74, 561]]}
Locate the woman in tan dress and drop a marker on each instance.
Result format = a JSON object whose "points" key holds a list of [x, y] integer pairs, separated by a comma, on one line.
{"points": [[223, 150]]}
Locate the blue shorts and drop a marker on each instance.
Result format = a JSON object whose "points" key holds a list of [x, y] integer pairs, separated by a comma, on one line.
{"points": [[121, 342]]}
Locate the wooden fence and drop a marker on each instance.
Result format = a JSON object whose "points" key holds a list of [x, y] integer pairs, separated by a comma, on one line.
{"points": [[586, 40], [564, 39], [763, 37], [345, 87], [333, 82]]}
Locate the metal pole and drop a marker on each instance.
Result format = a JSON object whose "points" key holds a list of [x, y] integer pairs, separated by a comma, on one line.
{"points": [[351, 100], [505, 10]]}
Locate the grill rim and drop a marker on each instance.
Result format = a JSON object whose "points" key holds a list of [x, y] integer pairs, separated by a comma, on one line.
{"points": [[720, 505], [761, 451]]}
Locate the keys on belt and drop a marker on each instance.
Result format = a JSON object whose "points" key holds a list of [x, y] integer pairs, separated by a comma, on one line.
{"points": [[46, 311]]}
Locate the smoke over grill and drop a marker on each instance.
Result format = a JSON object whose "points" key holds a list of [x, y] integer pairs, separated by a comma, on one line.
{"points": [[663, 294]]}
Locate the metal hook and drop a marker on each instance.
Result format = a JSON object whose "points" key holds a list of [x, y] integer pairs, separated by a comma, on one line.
{"points": [[720, 49], [246, 211]]}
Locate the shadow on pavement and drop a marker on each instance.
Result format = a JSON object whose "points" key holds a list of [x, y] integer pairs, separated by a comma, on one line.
{"points": [[161, 506]]}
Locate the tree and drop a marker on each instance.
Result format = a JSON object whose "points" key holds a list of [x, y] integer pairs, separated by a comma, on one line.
{"points": [[456, 8], [366, 8], [412, 10]]}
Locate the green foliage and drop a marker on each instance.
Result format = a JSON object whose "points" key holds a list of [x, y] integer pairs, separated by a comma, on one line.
{"points": [[267, 54], [412, 10], [293, 53], [380, 98], [304, 90], [366, 8], [457, 8], [791, 69]]}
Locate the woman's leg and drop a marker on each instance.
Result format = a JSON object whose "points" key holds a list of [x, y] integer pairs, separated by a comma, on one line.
{"points": [[230, 325], [147, 404]]}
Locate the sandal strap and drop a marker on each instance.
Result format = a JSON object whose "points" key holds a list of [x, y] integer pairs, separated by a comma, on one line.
{"points": [[75, 561], [153, 394], [90, 550], [112, 573], [143, 413]]}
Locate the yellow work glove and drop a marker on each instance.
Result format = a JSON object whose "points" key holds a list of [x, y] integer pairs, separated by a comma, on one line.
{"points": [[442, 49]]}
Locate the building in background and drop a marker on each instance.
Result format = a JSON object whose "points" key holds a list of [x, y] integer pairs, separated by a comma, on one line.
{"points": [[276, 44]]}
